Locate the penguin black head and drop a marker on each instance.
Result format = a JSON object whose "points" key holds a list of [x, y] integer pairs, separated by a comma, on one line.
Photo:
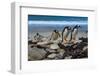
{"points": [[55, 30], [67, 27], [77, 26], [37, 33]]}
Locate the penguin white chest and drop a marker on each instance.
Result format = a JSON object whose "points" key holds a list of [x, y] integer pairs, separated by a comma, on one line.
{"points": [[74, 34], [75, 31], [69, 35], [65, 33]]}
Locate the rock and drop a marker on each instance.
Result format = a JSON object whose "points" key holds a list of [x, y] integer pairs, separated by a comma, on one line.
{"points": [[60, 54], [56, 41], [29, 58], [84, 39], [36, 53], [54, 46], [30, 42], [85, 48], [50, 50], [61, 46], [69, 57], [60, 50], [46, 39], [42, 43], [51, 56]]}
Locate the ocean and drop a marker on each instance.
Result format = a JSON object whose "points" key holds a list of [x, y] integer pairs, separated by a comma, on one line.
{"points": [[48, 28]]}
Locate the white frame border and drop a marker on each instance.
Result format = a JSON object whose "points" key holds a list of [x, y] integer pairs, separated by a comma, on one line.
{"points": [[16, 29]]}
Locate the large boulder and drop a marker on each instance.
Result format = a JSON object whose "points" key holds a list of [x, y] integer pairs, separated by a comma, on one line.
{"points": [[36, 53]]}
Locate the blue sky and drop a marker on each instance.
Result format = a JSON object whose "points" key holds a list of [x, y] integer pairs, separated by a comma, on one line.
{"points": [[46, 23], [56, 20]]}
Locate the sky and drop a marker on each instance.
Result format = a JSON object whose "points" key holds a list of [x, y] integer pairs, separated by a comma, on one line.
{"points": [[49, 23], [56, 20]]}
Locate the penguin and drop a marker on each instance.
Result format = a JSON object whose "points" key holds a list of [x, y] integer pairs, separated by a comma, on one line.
{"points": [[55, 35], [75, 32], [38, 37], [66, 34]]}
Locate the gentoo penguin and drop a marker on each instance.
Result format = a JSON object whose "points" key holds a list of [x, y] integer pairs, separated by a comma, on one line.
{"points": [[66, 34], [75, 32], [55, 35], [38, 37]]}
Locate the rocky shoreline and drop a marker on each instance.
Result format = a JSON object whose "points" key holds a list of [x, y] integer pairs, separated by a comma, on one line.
{"points": [[48, 52]]}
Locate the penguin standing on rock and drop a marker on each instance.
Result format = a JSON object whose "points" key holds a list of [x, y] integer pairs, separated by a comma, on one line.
{"points": [[75, 32], [38, 37], [66, 34], [55, 35]]}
